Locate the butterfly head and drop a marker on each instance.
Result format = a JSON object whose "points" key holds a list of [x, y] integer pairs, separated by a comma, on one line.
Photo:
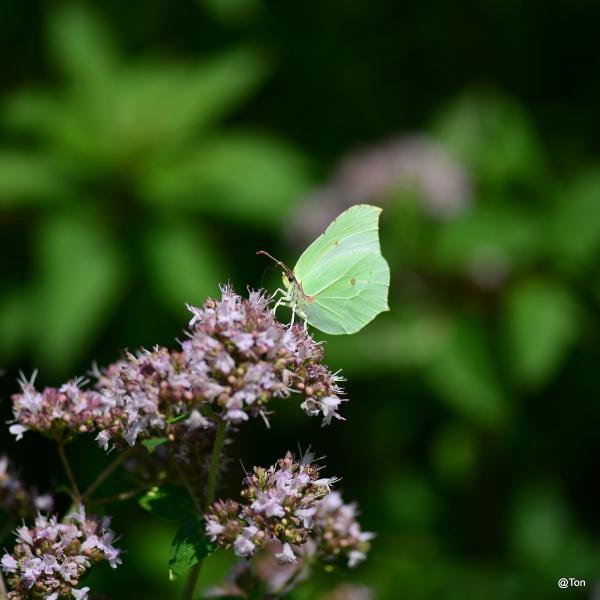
{"points": [[288, 275]]}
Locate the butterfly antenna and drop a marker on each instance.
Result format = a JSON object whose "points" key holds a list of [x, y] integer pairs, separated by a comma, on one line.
{"points": [[278, 263]]}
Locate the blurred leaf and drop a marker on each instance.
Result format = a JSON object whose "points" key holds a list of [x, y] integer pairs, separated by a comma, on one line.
{"points": [[26, 179], [152, 444], [132, 115], [540, 322], [80, 44], [464, 375], [491, 134], [243, 176], [169, 502], [575, 223], [487, 243], [149, 541], [234, 12], [79, 280], [219, 85], [541, 525], [404, 339], [455, 453], [142, 112], [15, 319], [189, 546], [410, 501], [185, 266], [78, 130]]}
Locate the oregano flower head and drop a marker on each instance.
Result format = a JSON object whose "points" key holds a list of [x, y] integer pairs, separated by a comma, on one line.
{"points": [[56, 412], [51, 557], [235, 359], [292, 505]]}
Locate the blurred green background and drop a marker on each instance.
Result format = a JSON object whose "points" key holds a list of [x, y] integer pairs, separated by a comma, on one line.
{"points": [[148, 149]]}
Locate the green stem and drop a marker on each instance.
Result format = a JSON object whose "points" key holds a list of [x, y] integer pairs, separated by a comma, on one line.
{"points": [[106, 473], [69, 471], [188, 486], [214, 466], [2, 588], [194, 572], [119, 497]]}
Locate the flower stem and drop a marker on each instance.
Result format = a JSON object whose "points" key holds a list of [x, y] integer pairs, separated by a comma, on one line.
{"points": [[106, 473], [188, 486], [214, 466], [194, 572], [2, 588], [119, 497], [69, 471]]}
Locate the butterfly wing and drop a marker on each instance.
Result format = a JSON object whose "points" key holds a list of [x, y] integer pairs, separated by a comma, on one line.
{"points": [[344, 274]]}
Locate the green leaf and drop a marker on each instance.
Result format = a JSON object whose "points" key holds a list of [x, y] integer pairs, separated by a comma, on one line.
{"points": [[219, 85], [178, 418], [26, 179], [153, 443], [80, 44], [540, 525], [455, 453], [15, 319], [184, 264], [492, 135], [540, 323], [234, 12], [79, 280], [464, 375], [575, 223], [171, 503], [65, 124], [189, 546], [145, 113], [405, 338], [244, 176], [489, 239]]}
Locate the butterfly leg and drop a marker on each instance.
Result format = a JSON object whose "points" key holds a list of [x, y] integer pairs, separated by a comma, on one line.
{"points": [[293, 315], [277, 304], [278, 291], [283, 301]]}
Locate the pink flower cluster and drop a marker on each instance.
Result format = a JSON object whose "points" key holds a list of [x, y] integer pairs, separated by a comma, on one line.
{"points": [[55, 411], [236, 357], [338, 533], [290, 506], [50, 558]]}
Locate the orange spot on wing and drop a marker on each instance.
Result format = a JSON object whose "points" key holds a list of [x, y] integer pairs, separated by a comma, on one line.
{"points": [[353, 281]]}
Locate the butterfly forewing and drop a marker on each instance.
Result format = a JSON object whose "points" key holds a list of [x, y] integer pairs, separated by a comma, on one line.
{"points": [[355, 229], [344, 274]]}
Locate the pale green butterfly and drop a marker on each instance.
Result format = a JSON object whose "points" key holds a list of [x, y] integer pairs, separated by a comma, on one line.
{"points": [[341, 281]]}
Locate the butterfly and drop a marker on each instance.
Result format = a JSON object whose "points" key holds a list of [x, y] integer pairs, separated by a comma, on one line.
{"points": [[341, 281]]}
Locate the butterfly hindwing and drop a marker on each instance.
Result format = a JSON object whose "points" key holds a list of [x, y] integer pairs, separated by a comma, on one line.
{"points": [[350, 302]]}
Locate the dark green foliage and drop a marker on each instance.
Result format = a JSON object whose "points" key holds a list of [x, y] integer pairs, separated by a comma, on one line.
{"points": [[145, 159], [189, 546], [171, 503]]}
